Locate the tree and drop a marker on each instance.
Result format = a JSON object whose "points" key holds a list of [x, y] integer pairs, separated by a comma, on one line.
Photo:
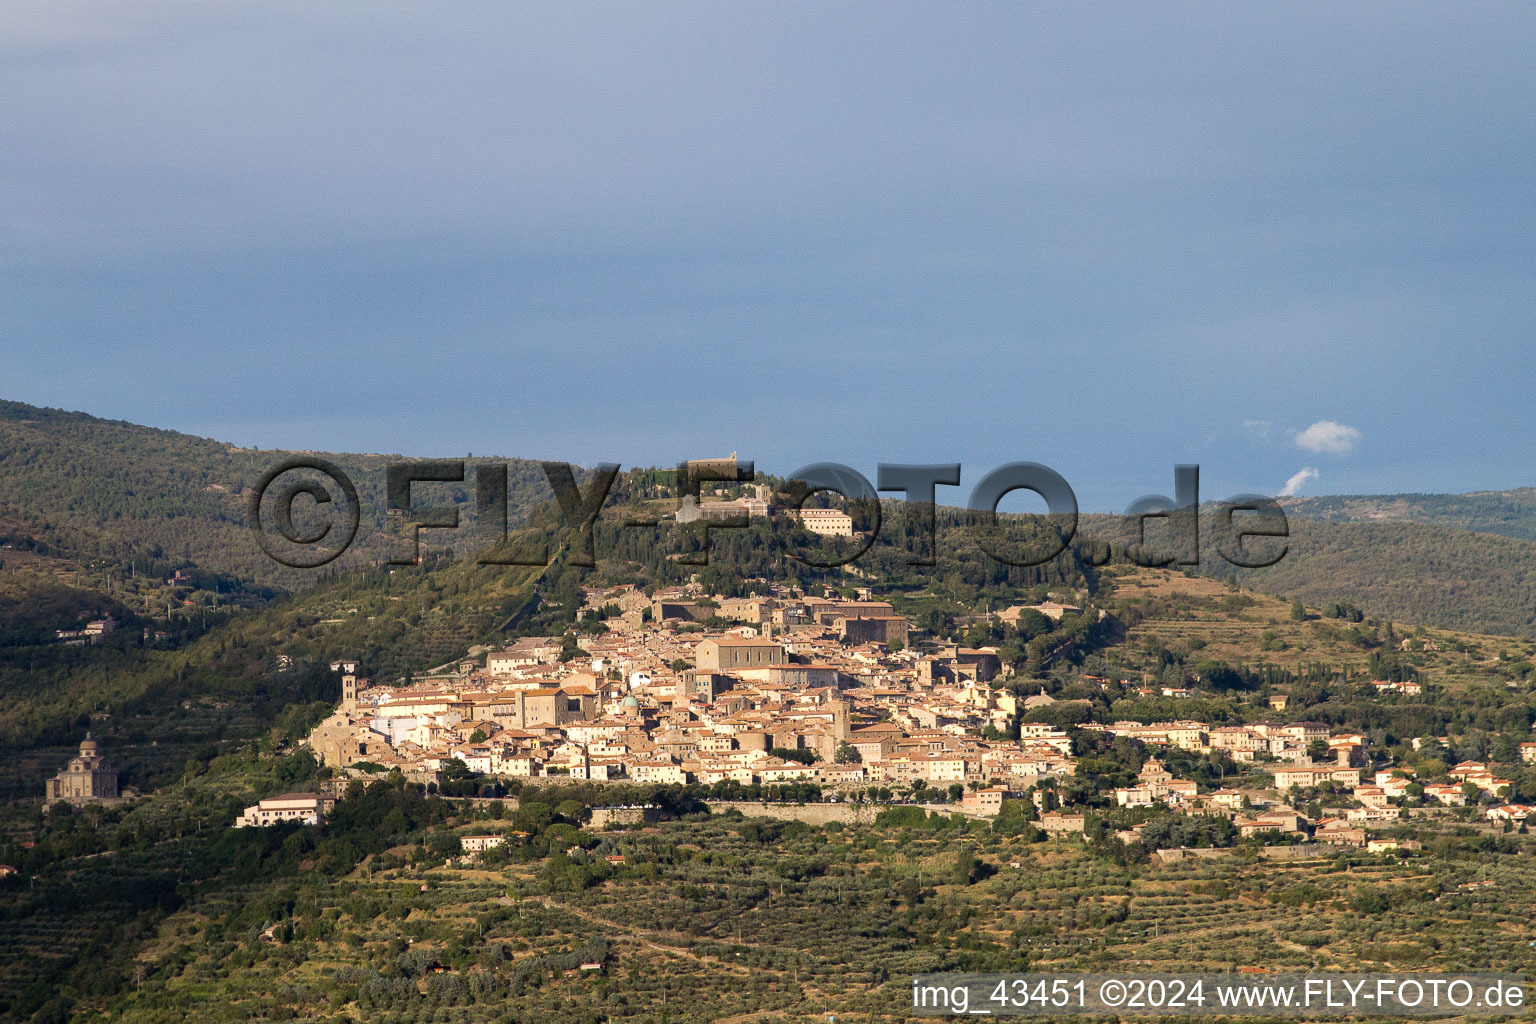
{"points": [[1016, 819], [846, 753], [1343, 610], [966, 866], [297, 766], [1218, 675], [979, 635], [1032, 623], [1298, 611], [444, 845]]}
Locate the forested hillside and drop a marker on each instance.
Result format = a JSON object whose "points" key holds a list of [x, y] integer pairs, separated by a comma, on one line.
{"points": [[1412, 572], [157, 500], [106, 498], [1509, 513]]}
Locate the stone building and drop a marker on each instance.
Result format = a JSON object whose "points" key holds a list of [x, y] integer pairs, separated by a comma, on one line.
{"points": [[876, 629], [88, 779], [725, 653], [304, 808]]}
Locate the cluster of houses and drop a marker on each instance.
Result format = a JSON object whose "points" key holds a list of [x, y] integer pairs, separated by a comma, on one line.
{"points": [[661, 697], [94, 632], [1257, 812], [828, 522], [786, 687]]}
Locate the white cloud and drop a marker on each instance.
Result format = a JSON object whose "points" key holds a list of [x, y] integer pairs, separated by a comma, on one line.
{"points": [[1328, 436], [1294, 483]]}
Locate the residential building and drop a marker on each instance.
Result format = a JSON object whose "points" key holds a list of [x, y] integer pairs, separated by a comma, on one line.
{"points": [[305, 808]]}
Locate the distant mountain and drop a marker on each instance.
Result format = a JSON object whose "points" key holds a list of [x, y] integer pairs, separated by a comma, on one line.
{"points": [[1506, 513], [89, 489], [85, 501]]}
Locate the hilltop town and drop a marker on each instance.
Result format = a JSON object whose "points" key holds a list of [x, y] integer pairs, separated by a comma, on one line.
{"points": [[840, 698]]}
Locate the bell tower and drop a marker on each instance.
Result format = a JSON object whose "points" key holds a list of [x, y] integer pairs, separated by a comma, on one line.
{"points": [[348, 693], [840, 718]]}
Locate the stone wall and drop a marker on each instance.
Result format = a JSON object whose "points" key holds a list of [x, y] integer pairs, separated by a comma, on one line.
{"points": [[814, 814]]}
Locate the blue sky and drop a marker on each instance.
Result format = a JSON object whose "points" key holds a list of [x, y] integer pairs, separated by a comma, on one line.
{"points": [[1108, 238]]}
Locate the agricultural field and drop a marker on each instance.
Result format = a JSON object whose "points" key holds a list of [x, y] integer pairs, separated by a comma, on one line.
{"points": [[750, 919], [1241, 626]]}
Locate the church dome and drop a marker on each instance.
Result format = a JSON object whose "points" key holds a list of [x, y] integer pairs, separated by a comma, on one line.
{"points": [[631, 701], [89, 747]]}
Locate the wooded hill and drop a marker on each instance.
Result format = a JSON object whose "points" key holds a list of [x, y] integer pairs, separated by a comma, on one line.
{"points": [[1413, 572], [85, 488], [108, 498], [1509, 513]]}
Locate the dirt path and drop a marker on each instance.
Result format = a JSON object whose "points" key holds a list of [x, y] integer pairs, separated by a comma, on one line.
{"points": [[644, 937]]}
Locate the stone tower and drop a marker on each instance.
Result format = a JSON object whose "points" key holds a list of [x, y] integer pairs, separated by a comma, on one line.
{"points": [[840, 727]]}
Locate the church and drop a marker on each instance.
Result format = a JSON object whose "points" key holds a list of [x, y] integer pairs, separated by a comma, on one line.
{"points": [[89, 778]]}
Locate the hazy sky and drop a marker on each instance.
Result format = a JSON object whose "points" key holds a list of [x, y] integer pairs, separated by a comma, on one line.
{"points": [[1295, 244]]}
